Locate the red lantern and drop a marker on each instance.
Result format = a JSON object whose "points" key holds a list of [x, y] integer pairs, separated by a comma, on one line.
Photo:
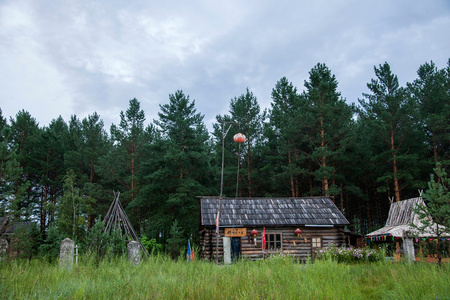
{"points": [[239, 138], [254, 232], [298, 232]]}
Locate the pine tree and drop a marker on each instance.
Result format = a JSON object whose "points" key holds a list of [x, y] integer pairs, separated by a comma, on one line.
{"points": [[3, 121], [431, 91], [284, 135], [177, 168], [72, 209], [96, 145], [10, 174], [391, 113], [329, 121], [364, 203], [174, 242], [435, 215], [52, 147], [122, 164], [88, 143], [24, 138]]}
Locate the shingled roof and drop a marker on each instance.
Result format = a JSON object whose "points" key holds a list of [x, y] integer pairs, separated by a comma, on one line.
{"points": [[401, 216], [315, 211]]}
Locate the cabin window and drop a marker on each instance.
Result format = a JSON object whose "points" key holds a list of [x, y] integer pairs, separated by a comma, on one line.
{"points": [[316, 242], [273, 241]]}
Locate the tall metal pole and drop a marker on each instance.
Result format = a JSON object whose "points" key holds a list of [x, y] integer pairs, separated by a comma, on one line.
{"points": [[221, 185], [238, 166], [223, 155]]}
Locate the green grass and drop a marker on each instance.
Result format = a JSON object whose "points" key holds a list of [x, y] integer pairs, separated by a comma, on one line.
{"points": [[162, 278]]}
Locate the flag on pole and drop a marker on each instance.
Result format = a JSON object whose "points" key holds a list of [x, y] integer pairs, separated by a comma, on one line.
{"points": [[189, 254], [264, 239], [217, 223]]}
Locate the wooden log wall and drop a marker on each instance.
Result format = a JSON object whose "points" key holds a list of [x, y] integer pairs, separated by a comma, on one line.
{"points": [[298, 247]]}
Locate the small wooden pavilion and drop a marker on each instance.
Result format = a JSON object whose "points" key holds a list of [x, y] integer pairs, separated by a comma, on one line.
{"points": [[295, 226], [398, 228]]}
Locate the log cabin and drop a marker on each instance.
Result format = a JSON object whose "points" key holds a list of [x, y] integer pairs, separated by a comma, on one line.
{"points": [[294, 226]]}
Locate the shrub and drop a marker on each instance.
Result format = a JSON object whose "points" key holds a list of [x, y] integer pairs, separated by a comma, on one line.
{"points": [[350, 254], [175, 241], [151, 245], [50, 248], [25, 242], [102, 244], [279, 258]]}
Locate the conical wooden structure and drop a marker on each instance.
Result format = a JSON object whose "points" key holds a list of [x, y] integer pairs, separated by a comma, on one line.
{"points": [[116, 220]]}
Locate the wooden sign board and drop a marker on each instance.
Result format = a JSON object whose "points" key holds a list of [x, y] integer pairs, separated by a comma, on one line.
{"points": [[235, 232]]}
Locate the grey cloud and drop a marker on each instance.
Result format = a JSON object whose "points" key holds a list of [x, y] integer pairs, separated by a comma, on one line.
{"points": [[96, 56]]}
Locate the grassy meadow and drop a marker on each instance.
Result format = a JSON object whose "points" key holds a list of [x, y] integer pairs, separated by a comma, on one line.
{"points": [[161, 278]]}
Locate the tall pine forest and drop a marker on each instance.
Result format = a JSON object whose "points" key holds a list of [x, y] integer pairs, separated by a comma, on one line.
{"points": [[311, 141]]}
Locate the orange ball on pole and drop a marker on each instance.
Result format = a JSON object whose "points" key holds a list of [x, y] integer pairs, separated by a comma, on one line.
{"points": [[239, 138]]}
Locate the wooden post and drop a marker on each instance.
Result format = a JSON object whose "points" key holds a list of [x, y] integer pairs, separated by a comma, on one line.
{"points": [[420, 248], [76, 255], [397, 251]]}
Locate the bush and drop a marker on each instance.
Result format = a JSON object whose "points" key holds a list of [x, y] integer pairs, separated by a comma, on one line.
{"points": [[25, 242], [279, 258], [175, 241], [50, 248], [101, 244], [350, 254], [151, 245]]}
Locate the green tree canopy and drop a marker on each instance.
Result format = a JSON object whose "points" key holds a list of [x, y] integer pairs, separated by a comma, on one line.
{"points": [[393, 116], [177, 169]]}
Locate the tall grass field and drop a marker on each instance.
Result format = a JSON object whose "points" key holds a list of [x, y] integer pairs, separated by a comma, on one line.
{"points": [[162, 278]]}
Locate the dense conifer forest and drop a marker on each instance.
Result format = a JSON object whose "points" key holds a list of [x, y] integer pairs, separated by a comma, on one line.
{"points": [[311, 141]]}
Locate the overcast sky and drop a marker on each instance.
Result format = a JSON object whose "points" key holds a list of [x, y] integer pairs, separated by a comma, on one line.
{"points": [[78, 57]]}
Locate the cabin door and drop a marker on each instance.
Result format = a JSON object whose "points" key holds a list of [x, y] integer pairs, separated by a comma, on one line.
{"points": [[235, 248]]}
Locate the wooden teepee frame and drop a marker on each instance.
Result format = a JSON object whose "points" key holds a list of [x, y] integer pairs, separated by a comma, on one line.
{"points": [[117, 220]]}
